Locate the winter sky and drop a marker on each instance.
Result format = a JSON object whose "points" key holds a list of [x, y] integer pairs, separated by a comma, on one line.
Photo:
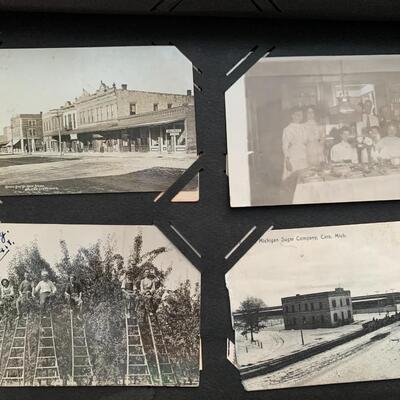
{"points": [[34, 80], [362, 258], [48, 237]]}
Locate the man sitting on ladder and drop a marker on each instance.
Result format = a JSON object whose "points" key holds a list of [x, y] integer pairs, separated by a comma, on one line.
{"points": [[46, 291], [73, 294], [148, 287], [26, 294], [6, 297], [130, 293]]}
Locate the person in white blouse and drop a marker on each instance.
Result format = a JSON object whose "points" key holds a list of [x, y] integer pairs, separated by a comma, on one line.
{"points": [[344, 151], [294, 144], [389, 146]]}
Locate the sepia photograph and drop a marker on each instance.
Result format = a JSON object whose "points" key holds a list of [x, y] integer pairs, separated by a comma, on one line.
{"points": [[317, 306], [94, 305], [96, 120], [305, 130]]}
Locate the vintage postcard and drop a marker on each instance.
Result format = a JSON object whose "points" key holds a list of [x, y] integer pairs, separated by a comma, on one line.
{"points": [[95, 120], [315, 130], [91, 305], [318, 306]]}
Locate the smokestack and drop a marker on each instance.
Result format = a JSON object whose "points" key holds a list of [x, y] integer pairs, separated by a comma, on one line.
{"points": [[124, 86], [188, 92]]}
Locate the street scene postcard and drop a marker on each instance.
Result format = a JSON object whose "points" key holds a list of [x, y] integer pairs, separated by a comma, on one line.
{"points": [[86, 305], [316, 306], [95, 120]]}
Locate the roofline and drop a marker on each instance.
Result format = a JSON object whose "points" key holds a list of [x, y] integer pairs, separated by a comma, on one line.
{"points": [[111, 91], [318, 294]]}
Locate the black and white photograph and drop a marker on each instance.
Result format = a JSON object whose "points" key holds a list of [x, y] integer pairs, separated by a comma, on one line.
{"points": [[96, 120], [305, 130], [94, 305], [317, 306]]}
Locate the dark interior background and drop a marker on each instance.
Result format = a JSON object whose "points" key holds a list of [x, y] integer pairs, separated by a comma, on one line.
{"points": [[214, 45]]}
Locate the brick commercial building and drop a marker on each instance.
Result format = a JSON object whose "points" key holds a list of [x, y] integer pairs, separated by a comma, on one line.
{"points": [[25, 134], [121, 120], [318, 310]]}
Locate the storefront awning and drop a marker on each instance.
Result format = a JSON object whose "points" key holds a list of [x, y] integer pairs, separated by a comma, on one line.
{"points": [[9, 144]]}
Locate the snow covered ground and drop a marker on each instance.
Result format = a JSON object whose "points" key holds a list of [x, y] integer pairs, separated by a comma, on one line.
{"points": [[374, 356], [278, 342]]}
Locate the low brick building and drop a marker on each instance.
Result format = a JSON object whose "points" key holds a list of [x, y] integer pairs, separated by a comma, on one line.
{"points": [[318, 310]]}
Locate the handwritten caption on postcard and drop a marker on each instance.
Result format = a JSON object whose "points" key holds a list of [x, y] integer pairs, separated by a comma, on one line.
{"points": [[5, 244], [302, 238]]}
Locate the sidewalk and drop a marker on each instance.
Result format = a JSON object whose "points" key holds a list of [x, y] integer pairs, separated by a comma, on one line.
{"points": [[117, 154]]}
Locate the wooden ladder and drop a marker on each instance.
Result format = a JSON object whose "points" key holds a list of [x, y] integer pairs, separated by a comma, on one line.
{"points": [[46, 366], [137, 367], [166, 373], [3, 329], [14, 370], [82, 369]]}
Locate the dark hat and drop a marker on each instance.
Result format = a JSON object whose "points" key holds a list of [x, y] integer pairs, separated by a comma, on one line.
{"points": [[4, 280]]}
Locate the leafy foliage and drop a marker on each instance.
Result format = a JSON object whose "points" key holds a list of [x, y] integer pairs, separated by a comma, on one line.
{"points": [[99, 269], [250, 321], [180, 315]]}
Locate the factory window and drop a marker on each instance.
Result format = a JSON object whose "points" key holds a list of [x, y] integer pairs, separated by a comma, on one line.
{"points": [[169, 105], [305, 307], [132, 109], [333, 303], [155, 107], [335, 317], [304, 319], [313, 319], [341, 303], [73, 121], [286, 309], [349, 314], [299, 307], [321, 305], [293, 308], [312, 306], [322, 318], [348, 301], [294, 321]]}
